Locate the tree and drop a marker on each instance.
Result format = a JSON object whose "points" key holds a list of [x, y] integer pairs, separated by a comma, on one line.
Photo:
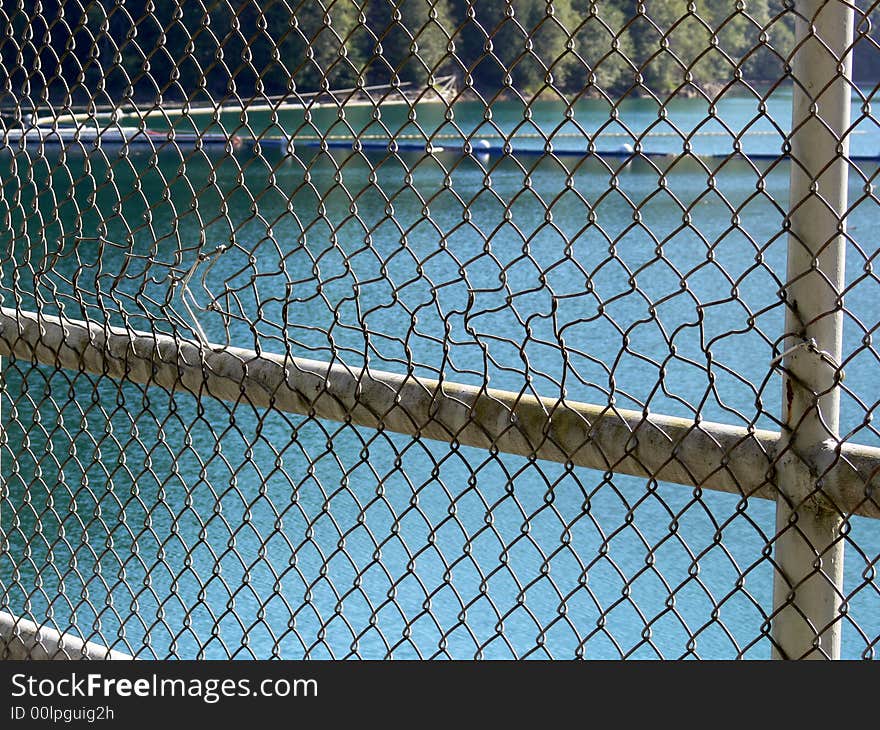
{"points": [[406, 39], [170, 47], [318, 46], [603, 48], [274, 46], [524, 44], [731, 41], [704, 44]]}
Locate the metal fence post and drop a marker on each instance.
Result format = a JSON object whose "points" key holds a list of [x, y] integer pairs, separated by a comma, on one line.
{"points": [[808, 547]]}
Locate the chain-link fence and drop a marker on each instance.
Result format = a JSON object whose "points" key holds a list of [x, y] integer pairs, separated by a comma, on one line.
{"points": [[436, 328]]}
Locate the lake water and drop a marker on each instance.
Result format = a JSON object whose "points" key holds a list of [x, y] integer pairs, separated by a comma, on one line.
{"points": [[191, 527]]}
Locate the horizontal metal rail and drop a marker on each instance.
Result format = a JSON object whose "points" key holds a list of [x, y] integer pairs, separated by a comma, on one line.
{"points": [[697, 454], [23, 639]]}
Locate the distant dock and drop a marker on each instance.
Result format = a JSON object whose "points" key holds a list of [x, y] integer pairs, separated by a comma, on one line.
{"points": [[83, 135]]}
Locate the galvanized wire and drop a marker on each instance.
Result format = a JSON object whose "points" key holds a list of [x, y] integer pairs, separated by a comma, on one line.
{"points": [[468, 325]]}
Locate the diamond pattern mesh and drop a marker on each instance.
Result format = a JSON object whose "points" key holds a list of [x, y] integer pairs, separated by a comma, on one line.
{"points": [[467, 223]]}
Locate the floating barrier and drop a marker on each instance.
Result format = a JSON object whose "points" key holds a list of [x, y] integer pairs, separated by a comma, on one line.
{"points": [[479, 149], [482, 148]]}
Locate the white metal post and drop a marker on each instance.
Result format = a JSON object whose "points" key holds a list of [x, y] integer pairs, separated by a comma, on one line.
{"points": [[808, 547]]}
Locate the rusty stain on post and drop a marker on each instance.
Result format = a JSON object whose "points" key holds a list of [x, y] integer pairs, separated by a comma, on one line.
{"points": [[706, 455]]}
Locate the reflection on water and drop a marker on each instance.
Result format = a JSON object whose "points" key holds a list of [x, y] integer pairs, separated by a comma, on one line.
{"points": [[187, 525]]}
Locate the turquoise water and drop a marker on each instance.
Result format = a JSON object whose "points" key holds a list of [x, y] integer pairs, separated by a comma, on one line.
{"points": [[188, 526]]}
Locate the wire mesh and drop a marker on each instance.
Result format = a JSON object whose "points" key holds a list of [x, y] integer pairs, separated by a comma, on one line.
{"points": [[441, 297]]}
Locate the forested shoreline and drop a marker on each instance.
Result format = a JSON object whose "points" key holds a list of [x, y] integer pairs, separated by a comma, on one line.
{"points": [[143, 49]]}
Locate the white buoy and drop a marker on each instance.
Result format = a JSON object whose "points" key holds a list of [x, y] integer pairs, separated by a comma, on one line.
{"points": [[625, 147], [481, 147]]}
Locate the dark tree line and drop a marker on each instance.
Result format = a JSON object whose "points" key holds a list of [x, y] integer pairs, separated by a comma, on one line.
{"points": [[142, 48]]}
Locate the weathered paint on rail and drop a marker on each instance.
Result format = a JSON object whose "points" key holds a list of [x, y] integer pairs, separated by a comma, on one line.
{"points": [[701, 455], [23, 639]]}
